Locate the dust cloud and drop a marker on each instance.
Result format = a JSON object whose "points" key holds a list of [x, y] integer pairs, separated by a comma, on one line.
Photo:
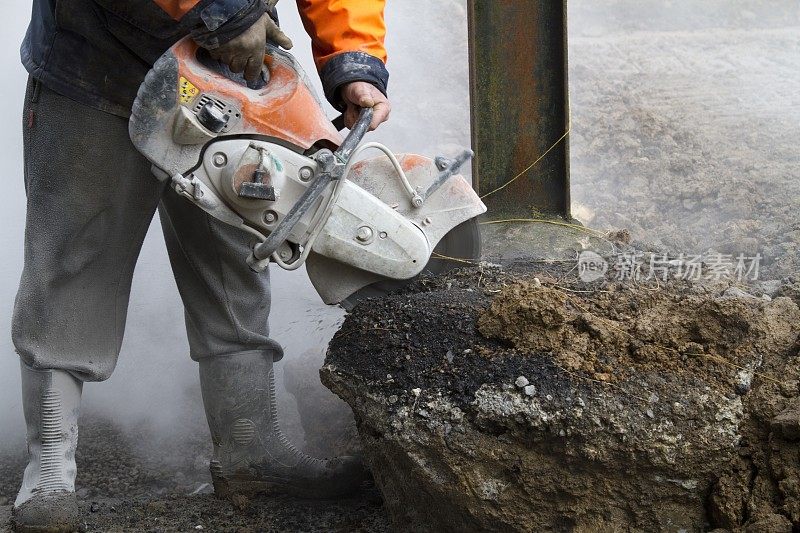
{"points": [[685, 117], [639, 70], [155, 382]]}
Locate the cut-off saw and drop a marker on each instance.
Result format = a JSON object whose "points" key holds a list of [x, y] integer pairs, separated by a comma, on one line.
{"points": [[265, 158]]}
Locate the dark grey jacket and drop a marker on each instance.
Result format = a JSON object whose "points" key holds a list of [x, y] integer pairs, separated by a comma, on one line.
{"points": [[97, 52]]}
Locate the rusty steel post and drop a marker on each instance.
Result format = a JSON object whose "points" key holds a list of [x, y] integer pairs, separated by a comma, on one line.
{"points": [[520, 105]]}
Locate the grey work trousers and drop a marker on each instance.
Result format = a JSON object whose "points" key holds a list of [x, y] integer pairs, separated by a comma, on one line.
{"points": [[91, 198]]}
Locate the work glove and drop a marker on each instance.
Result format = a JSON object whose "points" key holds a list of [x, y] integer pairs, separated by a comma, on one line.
{"points": [[245, 53]]}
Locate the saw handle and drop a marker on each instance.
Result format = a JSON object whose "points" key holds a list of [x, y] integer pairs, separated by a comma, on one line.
{"points": [[218, 67], [356, 135]]}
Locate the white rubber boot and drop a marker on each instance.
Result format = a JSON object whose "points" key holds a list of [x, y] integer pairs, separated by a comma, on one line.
{"points": [[46, 501]]}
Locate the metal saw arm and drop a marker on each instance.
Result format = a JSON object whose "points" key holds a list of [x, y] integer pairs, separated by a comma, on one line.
{"points": [[333, 167]]}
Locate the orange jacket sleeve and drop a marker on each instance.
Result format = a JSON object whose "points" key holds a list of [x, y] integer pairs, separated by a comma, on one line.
{"points": [[348, 42], [339, 26]]}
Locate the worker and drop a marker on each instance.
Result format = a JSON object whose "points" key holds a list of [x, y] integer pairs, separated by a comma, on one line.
{"points": [[90, 199]]}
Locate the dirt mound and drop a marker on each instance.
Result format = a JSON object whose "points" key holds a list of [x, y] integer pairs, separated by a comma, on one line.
{"points": [[528, 400], [608, 332]]}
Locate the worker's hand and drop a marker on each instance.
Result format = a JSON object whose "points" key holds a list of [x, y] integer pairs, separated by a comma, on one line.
{"points": [[245, 53], [360, 94]]}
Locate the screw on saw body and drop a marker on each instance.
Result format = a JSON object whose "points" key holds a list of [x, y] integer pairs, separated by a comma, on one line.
{"points": [[442, 162], [364, 235], [306, 173], [270, 217], [219, 160]]}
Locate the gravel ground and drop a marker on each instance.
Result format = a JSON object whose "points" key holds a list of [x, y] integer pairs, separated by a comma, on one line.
{"points": [[685, 128], [687, 136], [161, 483]]}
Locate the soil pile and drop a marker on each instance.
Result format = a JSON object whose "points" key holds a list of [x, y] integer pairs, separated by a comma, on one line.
{"points": [[493, 400], [619, 330]]}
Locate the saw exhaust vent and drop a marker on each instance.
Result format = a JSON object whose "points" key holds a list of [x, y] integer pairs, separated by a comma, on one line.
{"points": [[233, 114]]}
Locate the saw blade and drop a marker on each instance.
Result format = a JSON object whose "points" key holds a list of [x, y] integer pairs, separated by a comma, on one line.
{"points": [[459, 248]]}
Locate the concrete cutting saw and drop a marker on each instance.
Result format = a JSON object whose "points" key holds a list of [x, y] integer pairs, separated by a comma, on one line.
{"points": [[265, 158]]}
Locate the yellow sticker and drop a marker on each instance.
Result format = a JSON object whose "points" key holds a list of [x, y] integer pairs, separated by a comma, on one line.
{"points": [[186, 91]]}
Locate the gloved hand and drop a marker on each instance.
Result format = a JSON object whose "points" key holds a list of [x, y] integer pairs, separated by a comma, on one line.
{"points": [[359, 94], [245, 53]]}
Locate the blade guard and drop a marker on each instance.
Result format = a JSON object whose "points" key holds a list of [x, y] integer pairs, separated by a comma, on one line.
{"points": [[450, 205]]}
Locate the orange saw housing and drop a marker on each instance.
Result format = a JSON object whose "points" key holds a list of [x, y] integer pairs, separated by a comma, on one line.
{"points": [[186, 85], [285, 108]]}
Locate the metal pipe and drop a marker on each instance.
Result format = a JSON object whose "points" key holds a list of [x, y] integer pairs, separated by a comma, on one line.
{"points": [[520, 105]]}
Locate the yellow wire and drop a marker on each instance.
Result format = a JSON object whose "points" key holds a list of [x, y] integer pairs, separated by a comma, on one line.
{"points": [[515, 178], [456, 259], [594, 233], [544, 221]]}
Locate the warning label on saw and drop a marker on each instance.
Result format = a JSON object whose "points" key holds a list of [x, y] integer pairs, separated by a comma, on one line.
{"points": [[186, 91]]}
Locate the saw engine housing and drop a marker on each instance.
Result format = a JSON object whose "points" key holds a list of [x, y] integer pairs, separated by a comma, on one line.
{"points": [[261, 158]]}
